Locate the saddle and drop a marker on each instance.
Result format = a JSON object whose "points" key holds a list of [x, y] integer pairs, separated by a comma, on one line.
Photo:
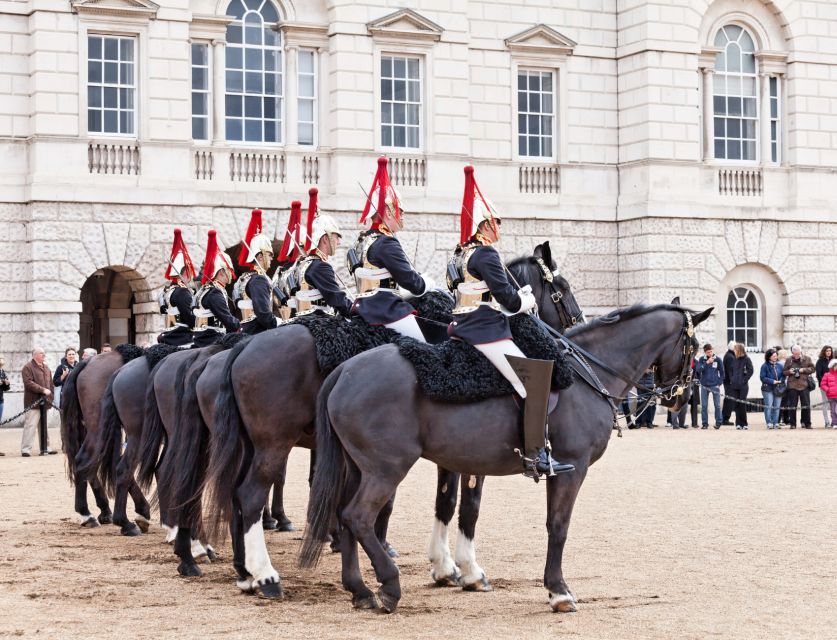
{"points": [[456, 372]]}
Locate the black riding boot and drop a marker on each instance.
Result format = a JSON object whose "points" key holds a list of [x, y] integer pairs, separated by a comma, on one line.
{"points": [[536, 376]]}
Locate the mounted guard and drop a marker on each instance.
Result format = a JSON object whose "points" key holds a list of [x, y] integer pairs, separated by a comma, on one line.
{"points": [[289, 254], [212, 312], [484, 298], [381, 267], [176, 298], [254, 290]]}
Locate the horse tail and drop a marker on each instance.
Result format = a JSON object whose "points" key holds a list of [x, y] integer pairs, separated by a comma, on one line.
{"points": [[179, 483], [227, 446], [72, 425], [153, 436], [108, 444], [329, 478]]}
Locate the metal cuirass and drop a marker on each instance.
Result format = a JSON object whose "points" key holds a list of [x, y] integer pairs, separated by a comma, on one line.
{"points": [[369, 279], [204, 318], [241, 299], [469, 291]]}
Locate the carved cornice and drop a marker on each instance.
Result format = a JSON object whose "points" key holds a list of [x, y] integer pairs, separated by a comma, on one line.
{"points": [[405, 24], [541, 40], [116, 8]]}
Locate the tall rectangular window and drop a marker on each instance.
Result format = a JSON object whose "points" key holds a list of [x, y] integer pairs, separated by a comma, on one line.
{"points": [[535, 113], [200, 91], [735, 91], [400, 102], [111, 85], [307, 96], [775, 120]]}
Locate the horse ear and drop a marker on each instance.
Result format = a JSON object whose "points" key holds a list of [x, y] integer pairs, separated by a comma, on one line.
{"points": [[547, 254], [676, 301], [538, 252], [703, 315]]}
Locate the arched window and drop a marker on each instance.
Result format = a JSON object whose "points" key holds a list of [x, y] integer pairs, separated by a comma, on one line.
{"points": [[744, 318], [735, 91], [253, 101]]}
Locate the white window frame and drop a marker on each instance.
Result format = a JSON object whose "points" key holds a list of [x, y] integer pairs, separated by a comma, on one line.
{"points": [[315, 99], [422, 104], [553, 112], [282, 70], [210, 90], [533, 62], [777, 119], [759, 309]]}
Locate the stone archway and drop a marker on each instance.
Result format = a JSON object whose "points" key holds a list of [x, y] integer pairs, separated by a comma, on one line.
{"points": [[109, 298]]}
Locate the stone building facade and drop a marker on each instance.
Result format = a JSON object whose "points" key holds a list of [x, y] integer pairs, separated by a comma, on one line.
{"points": [[665, 148]]}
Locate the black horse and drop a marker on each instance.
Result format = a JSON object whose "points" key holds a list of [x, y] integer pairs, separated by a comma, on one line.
{"points": [[367, 442]]}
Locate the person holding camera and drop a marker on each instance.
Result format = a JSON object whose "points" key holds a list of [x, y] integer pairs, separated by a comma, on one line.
{"points": [[68, 363], [710, 372], [740, 372], [798, 369], [772, 387]]}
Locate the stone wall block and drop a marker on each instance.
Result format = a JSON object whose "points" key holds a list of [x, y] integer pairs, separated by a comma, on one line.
{"points": [[735, 241], [767, 241], [707, 228], [68, 274], [794, 324], [752, 232], [795, 230], [80, 258], [43, 211], [116, 237], [819, 323], [93, 239], [52, 290], [14, 212], [138, 241], [75, 211], [722, 253], [108, 212], [824, 230], [779, 255]]}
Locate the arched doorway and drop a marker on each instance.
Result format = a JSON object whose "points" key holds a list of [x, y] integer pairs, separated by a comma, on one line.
{"points": [[107, 316]]}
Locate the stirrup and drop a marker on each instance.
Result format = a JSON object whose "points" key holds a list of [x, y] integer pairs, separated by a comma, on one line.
{"points": [[530, 466]]}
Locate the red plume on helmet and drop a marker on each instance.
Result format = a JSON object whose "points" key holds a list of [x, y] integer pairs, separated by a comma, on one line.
{"points": [[473, 204], [381, 191], [179, 259], [215, 259], [254, 228], [289, 251], [312, 213]]}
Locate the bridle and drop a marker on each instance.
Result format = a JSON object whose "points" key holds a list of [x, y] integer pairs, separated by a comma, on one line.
{"points": [[580, 360], [556, 296]]}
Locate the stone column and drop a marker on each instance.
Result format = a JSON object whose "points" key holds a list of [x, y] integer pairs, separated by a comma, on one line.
{"points": [[708, 114], [219, 88], [764, 119], [291, 92]]}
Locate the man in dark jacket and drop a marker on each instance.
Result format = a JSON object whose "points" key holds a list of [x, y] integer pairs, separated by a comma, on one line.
{"points": [[68, 363], [729, 404], [797, 369], [37, 385], [710, 372]]}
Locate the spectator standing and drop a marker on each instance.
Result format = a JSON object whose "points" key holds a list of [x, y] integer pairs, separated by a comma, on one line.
{"points": [[106, 347], [710, 373], [826, 355], [797, 369], [37, 384], [784, 412], [828, 385], [771, 374], [646, 399], [741, 370], [4, 387], [68, 363], [88, 353], [729, 402]]}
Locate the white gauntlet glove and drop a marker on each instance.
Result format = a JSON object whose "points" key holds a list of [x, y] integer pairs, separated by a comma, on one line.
{"points": [[527, 300], [429, 282]]}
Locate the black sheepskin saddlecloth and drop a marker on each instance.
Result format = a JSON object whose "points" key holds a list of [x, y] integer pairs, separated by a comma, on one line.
{"points": [[157, 352], [128, 351], [456, 372]]}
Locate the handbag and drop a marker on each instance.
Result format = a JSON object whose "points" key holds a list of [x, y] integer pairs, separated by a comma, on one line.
{"points": [[780, 389], [812, 384]]}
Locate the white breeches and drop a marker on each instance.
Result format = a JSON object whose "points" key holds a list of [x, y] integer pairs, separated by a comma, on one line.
{"points": [[407, 327], [496, 353]]}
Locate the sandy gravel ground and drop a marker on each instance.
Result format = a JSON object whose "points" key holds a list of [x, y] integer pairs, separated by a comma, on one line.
{"points": [[695, 534]]}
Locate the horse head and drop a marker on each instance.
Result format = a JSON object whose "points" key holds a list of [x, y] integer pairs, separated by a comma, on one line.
{"points": [[557, 305], [673, 366]]}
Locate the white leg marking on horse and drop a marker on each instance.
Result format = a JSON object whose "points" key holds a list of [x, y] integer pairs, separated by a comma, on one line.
{"points": [[256, 559], [198, 550], [171, 534], [466, 559], [562, 602], [438, 552], [245, 584]]}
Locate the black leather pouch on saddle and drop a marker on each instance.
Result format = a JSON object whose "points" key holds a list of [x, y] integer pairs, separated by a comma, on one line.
{"points": [[454, 371]]}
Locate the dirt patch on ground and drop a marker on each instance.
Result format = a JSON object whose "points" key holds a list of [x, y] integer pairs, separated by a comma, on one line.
{"points": [[686, 534]]}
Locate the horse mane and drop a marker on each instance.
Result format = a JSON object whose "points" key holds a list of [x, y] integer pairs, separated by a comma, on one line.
{"points": [[618, 315], [526, 265]]}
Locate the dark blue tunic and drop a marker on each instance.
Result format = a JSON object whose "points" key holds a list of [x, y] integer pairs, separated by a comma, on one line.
{"points": [[485, 325], [215, 301], [180, 336], [387, 306], [259, 290], [320, 275]]}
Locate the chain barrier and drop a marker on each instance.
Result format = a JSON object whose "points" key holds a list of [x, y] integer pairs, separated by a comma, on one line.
{"points": [[35, 404]]}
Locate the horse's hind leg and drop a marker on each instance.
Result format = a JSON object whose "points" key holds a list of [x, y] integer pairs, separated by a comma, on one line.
{"points": [[443, 572], [141, 506], [120, 501], [382, 524], [561, 492], [269, 523], [362, 596], [359, 516], [81, 506], [277, 507], [473, 577]]}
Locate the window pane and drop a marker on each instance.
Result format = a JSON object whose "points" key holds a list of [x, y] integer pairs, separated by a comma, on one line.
{"points": [[126, 50], [306, 86], [720, 149], [306, 110], [719, 84], [234, 35], [546, 147], [272, 60], [94, 96], [126, 74], [546, 127], [774, 152], [199, 54], [126, 122], [412, 114], [111, 97], [306, 62], [271, 131], [234, 58], [534, 125], [733, 150], [199, 127], [546, 103], [414, 93], [774, 108], [521, 124], [546, 83], [272, 84], [269, 108], [386, 112], [734, 106], [306, 133], [386, 67], [253, 130], [399, 136], [535, 102], [236, 9], [126, 99], [94, 72], [733, 128], [200, 78], [748, 63], [534, 82], [253, 59], [253, 107], [748, 150], [234, 106], [269, 12], [400, 90], [521, 145], [253, 82], [534, 146], [749, 129], [733, 57], [733, 86], [412, 137], [413, 68], [748, 86], [719, 127], [399, 68], [253, 35], [199, 104], [386, 89], [111, 124], [521, 101], [111, 49], [750, 107], [386, 136], [720, 105], [774, 87], [111, 73], [235, 81], [94, 47], [399, 113], [233, 129], [94, 120]]}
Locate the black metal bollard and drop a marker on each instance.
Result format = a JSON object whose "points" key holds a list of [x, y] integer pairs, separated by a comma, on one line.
{"points": [[42, 426]]}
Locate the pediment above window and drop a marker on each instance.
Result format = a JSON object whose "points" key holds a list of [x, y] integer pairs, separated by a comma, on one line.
{"points": [[542, 40], [122, 8], [405, 24]]}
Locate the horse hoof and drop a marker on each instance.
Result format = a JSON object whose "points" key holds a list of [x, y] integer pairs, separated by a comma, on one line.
{"points": [[142, 523], [482, 585], [391, 552], [451, 580], [131, 530], [270, 591], [211, 555], [189, 570], [270, 525], [89, 523], [388, 603], [105, 518], [286, 527], [369, 603], [245, 584], [563, 603]]}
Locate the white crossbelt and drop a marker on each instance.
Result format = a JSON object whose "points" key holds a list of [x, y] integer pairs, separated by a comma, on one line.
{"points": [[372, 274], [309, 296]]}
